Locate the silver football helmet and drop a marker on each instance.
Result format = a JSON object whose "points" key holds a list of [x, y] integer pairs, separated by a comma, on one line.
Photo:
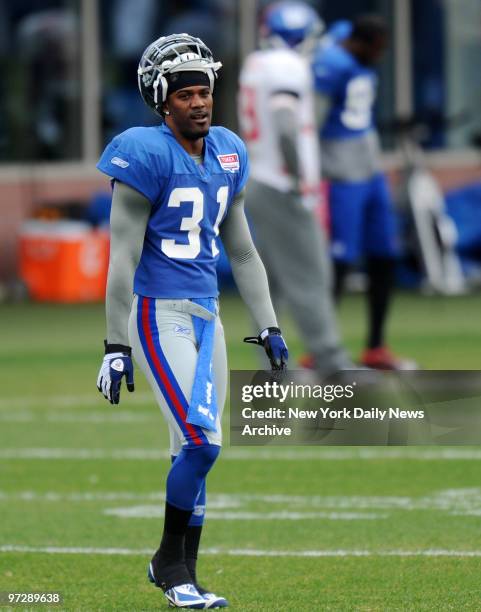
{"points": [[169, 54]]}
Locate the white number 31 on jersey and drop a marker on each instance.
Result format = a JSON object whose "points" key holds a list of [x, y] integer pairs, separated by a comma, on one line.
{"points": [[191, 225]]}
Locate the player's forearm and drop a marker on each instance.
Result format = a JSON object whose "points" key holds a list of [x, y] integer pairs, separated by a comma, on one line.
{"points": [[118, 300], [247, 268], [323, 104], [128, 221], [285, 122], [251, 279]]}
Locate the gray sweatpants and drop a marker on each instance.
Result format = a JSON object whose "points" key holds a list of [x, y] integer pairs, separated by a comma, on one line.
{"points": [[164, 346], [293, 249]]}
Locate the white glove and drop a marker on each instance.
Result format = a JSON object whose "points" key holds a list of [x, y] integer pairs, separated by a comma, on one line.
{"points": [[115, 365]]}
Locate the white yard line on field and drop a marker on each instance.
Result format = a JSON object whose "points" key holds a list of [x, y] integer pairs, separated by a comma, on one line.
{"points": [[283, 515], [67, 401], [119, 416], [258, 453], [18, 416], [243, 552], [84, 454], [77, 497], [459, 502], [350, 453]]}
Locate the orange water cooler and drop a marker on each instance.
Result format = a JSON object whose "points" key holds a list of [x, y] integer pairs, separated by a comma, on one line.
{"points": [[63, 261]]}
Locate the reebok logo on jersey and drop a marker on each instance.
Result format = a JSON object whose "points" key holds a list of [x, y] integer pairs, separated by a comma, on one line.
{"points": [[117, 161], [229, 162], [179, 329]]}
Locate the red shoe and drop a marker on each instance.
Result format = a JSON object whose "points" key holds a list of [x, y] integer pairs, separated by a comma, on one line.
{"points": [[307, 362], [381, 358]]}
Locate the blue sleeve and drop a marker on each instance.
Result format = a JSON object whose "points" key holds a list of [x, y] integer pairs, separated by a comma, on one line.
{"points": [[243, 166], [328, 76], [340, 30], [127, 160]]}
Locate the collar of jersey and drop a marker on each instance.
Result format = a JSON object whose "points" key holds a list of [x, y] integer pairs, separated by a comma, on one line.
{"points": [[203, 171]]}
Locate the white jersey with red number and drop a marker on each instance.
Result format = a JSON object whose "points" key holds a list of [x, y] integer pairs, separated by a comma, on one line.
{"points": [[264, 74]]}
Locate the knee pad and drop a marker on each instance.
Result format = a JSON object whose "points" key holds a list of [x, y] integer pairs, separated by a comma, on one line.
{"points": [[187, 475], [202, 458]]}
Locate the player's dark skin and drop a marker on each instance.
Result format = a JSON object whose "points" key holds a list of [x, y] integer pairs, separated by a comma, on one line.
{"points": [[189, 115], [367, 53]]}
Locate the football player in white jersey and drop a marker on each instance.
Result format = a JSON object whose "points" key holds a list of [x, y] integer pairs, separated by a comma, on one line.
{"points": [[276, 114], [177, 188]]}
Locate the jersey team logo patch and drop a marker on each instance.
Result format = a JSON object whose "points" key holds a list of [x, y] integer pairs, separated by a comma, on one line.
{"points": [[229, 162]]}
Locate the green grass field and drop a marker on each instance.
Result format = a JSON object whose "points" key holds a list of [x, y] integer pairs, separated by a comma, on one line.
{"points": [[290, 528]]}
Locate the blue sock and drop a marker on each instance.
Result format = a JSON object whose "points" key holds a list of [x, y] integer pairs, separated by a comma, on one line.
{"points": [[198, 515], [186, 477]]}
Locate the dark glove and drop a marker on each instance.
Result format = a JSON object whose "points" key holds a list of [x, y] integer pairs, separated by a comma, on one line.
{"points": [[275, 347]]}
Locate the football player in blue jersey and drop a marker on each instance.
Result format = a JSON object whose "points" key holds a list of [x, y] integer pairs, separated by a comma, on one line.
{"points": [[177, 189], [361, 211]]}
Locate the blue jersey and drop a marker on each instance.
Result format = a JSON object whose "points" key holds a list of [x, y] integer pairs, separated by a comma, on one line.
{"points": [[352, 89], [189, 202]]}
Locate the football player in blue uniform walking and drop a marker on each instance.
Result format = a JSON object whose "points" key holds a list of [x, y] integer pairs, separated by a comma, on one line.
{"points": [[361, 210], [177, 189]]}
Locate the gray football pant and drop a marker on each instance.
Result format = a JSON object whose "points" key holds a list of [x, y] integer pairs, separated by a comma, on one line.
{"points": [[293, 248], [164, 346]]}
